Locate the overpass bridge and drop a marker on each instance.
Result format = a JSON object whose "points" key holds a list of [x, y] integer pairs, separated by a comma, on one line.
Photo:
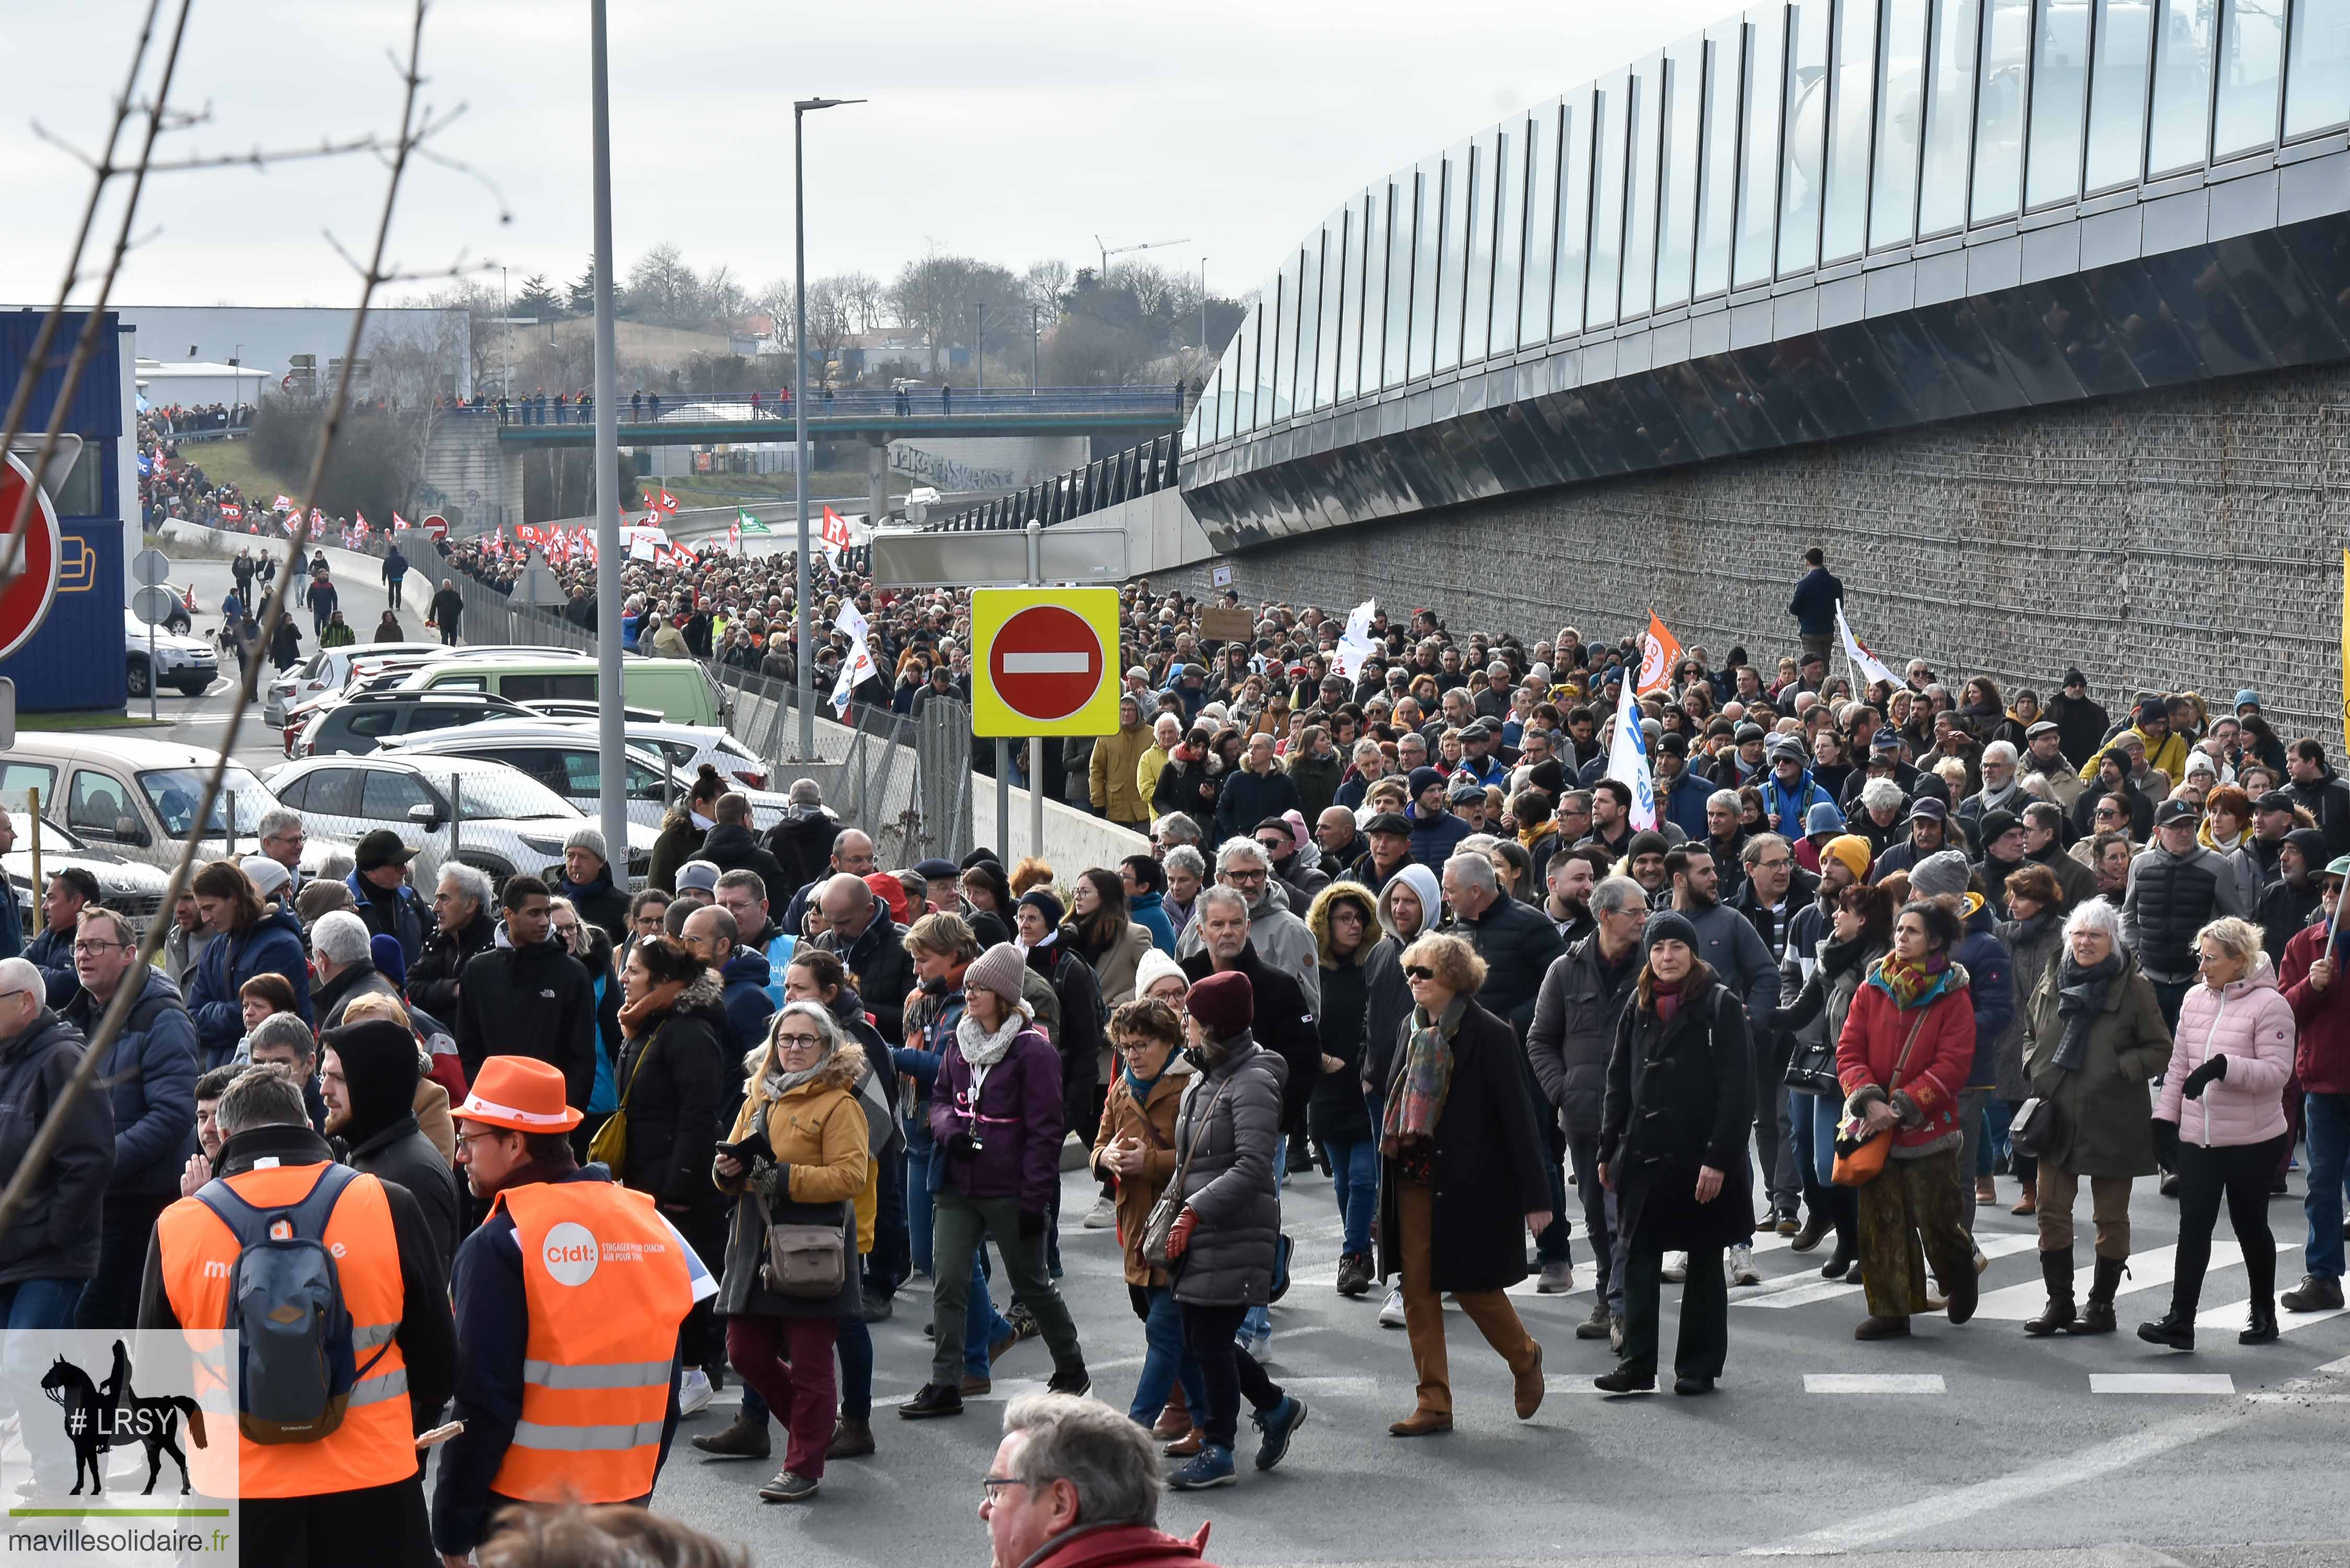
{"points": [[861, 413]]}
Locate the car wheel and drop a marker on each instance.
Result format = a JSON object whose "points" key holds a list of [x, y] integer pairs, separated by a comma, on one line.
{"points": [[194, 688], [136, 673], [178, 625]]}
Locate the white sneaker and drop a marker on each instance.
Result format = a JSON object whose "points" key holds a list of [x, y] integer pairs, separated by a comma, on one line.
{"points": [[1738, 1265], [1676, 1266], [694, 1392], [1102, 1215], [1391, 1314]]}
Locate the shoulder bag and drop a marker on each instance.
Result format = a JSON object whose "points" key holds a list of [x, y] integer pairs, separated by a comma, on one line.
{"points": [[1161, 1223], [1813, 1070], [1860, 1160], [2033, 1127], [609, 1147]]}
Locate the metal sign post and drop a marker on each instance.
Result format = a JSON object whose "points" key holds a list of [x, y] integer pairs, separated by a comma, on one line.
{"points": [[1035, 743], [151, 603]]}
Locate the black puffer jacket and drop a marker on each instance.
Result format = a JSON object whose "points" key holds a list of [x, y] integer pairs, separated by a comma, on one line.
{"points": [[681, 1078], [54, 1236], [1575, 1029], [802, 845], [432, 979], [731, 847]]}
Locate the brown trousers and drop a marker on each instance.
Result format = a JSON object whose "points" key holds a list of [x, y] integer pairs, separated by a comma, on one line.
{"points": [[2109, 1199], [1423, 1305], [1913, 1198]]}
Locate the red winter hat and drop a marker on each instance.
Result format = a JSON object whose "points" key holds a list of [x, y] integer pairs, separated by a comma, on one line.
{"points": [[1223, 1004]]}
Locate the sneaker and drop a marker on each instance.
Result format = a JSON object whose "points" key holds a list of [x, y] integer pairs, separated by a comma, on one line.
{"points": [[935, 1399], [1102, 1215], [789, 1486], [1557, 1279], [1212, 1465], [694, 1393], [1676, 1266], [1595, 1325], [1354, 1275], [1023, 1322], [1738, 1266], [2317, 1293], [1391, 1314], [1075, 1382], [1277, 1424]]}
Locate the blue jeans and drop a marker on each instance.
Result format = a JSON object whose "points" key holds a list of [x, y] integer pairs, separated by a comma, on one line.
{"points": [[919, 1153], [28, 1305], [1996, 1118], [1812, 1119], [2326, 1118], [1355, 1178], [1165, 1361]]}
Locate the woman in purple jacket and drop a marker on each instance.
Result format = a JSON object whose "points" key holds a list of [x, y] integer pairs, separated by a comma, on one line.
{"points": [[995, 1116]]}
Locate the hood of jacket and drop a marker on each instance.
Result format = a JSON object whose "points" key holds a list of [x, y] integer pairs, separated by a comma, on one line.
{"points": [[379, 1069], [749, 966], [1423, 882], [1317, 921], [728, 840], [841, 1070]]}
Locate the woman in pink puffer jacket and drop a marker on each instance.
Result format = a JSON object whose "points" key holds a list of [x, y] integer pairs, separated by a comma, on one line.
{"points": [[2223, 1098]]}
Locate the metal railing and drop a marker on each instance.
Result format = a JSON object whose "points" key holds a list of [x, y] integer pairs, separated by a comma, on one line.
{"points": [[904, 780], [1165, 402], [1103, 483]]}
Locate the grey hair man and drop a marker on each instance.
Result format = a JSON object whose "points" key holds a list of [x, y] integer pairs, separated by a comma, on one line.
{"points": [[1282, 940], [282, 839], [1071, 1473], [339, 947]]}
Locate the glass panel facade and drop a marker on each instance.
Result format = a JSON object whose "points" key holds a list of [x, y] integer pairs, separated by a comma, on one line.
{"points": [[1309, 324], [1451, 265], [1252, 330], [2182, 87], [1953, 39], [1278, 359], [1345, 372], [1608, 199], [1760, 76], [1999, 109], [1578, 125], [1900, 124], [1645, 153], [1335, 274], [2118, 94], [2252, 50], [2060, 84], [1684, 119], [1717, 216], [1427, 238], [2317, 82], [1375, 285], [1402, 209], [1852, 106], [1477, 298], [1541, 155], [1806, 122], [1509, 233]]}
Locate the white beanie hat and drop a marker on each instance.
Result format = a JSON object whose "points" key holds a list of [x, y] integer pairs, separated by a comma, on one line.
{"points": [[1155, 967]]}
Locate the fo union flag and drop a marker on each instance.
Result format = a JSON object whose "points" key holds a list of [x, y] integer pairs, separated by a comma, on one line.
{"points": [[1628, 762]]}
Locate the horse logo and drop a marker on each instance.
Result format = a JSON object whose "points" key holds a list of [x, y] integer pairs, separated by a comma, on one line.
{"points": [[102, 1417]]}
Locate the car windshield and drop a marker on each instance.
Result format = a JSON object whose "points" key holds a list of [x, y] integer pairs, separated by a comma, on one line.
{"points": [[175, 792], [509, 794], [52, 835]]}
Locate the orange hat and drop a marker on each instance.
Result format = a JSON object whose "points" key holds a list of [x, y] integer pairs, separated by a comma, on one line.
{"points": [[521, 1094]]}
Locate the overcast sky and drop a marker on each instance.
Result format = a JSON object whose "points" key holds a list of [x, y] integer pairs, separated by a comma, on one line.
{"points": [[1012, 130]]}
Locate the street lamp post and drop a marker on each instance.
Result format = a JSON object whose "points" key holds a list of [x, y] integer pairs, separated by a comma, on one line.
{"points": [[611, 718], [803, 614]]}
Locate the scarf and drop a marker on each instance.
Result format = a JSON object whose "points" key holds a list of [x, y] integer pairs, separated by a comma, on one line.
{"points": [[982, 1050], [2081, 995], [1140, 1087], [1997, 799], [1910, 983], [1838, 956], [780, 1082], [650, 1007], [1426, 1080]]}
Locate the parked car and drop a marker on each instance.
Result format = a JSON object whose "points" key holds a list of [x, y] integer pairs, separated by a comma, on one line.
{"points": [[330, 669], [138, 797], [563, 758], [479, 813], [186, 664], [681, 689], [130, 887], [355, 724]]}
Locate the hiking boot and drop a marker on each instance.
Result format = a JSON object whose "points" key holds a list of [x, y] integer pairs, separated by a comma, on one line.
{"points": [[745, 1439], [2097, 1313], [1276, 1425], [2171, 1330], [1811, 1232], [851, 1440], [1212, 1465], [1557, 1279], [2056, 1317], [2317, 1293], [789, 1486], [1882, 1328], [935, 1399], [1595, 1325]]}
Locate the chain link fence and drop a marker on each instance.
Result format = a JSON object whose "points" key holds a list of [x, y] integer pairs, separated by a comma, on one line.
{"points": [[903, 779]]}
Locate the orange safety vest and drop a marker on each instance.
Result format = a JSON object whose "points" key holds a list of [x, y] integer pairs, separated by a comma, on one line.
{"points": [[376, 1444], [606, 1286]]}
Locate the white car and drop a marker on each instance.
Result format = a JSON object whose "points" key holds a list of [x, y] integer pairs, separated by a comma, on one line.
{"points": [[688, 746], [504, 822], [186, 663], [563, 758], [130, 887], [328, 671]]}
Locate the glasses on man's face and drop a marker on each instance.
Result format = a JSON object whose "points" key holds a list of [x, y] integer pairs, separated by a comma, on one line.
{"points": [[992, 1486], [1772, 865], [93, 945], [1239, 878], [2106, 812]]}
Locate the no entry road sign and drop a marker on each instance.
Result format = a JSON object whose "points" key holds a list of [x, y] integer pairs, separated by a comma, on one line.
{"points": [[25, 598], [1046, 660]]}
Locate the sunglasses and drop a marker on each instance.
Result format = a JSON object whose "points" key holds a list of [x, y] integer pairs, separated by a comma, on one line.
{"points": [[1419, 971]]}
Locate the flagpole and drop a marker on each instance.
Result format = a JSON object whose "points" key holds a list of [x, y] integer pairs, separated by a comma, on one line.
{"points": [[611, 718]]}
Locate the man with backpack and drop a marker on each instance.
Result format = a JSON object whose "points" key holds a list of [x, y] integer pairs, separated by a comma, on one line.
{"points": [[570, 1295], [327, 1470]]}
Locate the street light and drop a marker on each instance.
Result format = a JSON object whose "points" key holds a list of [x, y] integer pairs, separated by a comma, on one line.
{"points": [[801, 109]]}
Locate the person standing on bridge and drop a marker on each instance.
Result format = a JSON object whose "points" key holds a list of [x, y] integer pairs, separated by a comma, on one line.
{"points": [[395, 573], [1817, 594], [448, 610]]}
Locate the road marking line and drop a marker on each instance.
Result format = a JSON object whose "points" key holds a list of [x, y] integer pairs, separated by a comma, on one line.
{"points": [[2148, 1270], [1331, 1387], [1874, 1383], [1046, 663], [2161, 1383], [1802, 1289]]}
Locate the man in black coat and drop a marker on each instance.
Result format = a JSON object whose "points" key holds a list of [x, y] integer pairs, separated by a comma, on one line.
{"points": [[587, 882], [531, 998], [1817, 594], [1284, 1023], [51, 1247], [465, 927], [368, 1072], [802, 842], [2316, 786], [732, 846], [856, 928]]}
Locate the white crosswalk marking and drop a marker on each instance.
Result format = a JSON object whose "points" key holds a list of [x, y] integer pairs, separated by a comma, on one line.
{"points": [[1874, 1383], [1807, 1288], [2148, 1270], [2161, 1383]]}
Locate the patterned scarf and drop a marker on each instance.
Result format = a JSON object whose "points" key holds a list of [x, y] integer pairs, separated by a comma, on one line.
{"points": [[1908, 983], [1427, 1078]]}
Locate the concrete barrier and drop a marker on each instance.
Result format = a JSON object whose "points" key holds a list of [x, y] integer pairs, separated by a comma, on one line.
{"points": [[1073, 840]]}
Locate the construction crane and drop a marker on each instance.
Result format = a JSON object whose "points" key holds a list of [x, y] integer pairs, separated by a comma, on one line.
{"points": [[1109, 251]]}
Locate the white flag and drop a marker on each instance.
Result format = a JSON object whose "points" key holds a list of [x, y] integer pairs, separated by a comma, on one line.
{"points": [[641, 547], [854, 669], [1359, 624], [1867, 663], [851, 622], [1627, 760], [1347, 658]]}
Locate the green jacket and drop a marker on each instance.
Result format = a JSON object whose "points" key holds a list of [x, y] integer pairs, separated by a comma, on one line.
{"points": [[2104, 1113]]}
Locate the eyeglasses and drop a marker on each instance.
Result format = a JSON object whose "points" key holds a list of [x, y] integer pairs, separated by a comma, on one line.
{"points": [[995, 1484], [794, 1042], [1419, 971], [2107, 811], [96, 947], [1772, 865]]}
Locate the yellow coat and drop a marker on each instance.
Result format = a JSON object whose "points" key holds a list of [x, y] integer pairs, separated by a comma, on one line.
{"points": [[820, 1131]]}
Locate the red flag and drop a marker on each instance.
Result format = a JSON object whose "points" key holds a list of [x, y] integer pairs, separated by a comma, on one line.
{"points": [[398, 522], [668, 504], [232, 514], [836, 530]]}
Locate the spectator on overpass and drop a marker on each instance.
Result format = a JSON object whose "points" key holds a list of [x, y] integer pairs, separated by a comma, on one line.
{"points": [[449, 604]]}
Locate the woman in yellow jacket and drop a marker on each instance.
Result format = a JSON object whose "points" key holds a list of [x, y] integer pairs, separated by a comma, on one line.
{"points": [[814, 1169]]}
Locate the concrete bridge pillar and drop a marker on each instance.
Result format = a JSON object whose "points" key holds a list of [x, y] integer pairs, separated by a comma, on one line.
{"points": [[877, 474]]}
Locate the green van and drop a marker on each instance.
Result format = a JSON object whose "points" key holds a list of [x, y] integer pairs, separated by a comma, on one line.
{"points": [[679, 689]]}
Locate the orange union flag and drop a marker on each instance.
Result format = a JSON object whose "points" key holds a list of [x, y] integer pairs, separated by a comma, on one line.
{"points": [[1660, 650]]}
